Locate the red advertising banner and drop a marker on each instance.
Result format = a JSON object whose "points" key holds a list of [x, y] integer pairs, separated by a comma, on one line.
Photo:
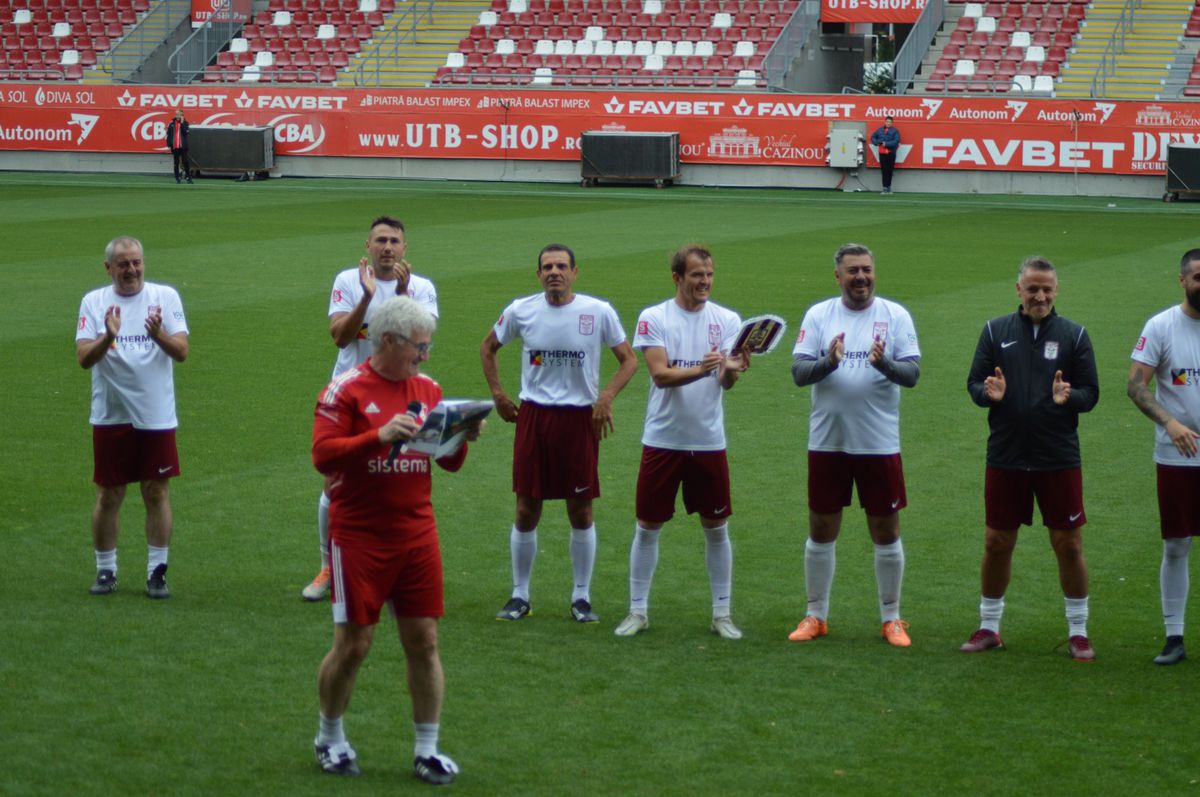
{"points": [[871, 10], [992, 133], [220, 11]]}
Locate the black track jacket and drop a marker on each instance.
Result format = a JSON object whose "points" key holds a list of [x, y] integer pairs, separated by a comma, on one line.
{"points": [[1028, 430]]}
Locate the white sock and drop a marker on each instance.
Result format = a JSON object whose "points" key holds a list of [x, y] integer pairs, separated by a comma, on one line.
{"points": [[106, 560], [1077, 616], [1173, 583], [155, 557], [523, 547], [643, 558], [426, 739], [889, 575], [323, 528], [820, 558], [990, 612], [718, 556], [583, 558], [330, 732]]}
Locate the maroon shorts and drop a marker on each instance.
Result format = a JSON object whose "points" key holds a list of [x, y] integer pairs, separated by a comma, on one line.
{"points": [[1009, 494], [1178, 501], [703, 474], [879, 479], [364, 579], [122, 454], [556, 453]]}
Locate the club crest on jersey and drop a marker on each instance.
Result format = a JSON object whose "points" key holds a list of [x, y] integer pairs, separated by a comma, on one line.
{"points": [[880, 331], [154, 309], [1051, 351], [1141, 344], [643, 327], [714, 335], [587, 324]]}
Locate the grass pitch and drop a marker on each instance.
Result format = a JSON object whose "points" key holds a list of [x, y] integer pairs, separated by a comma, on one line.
{"points": [[213, 692]]}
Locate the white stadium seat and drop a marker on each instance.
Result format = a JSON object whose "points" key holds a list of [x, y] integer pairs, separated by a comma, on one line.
{"points": [[964, 68]]}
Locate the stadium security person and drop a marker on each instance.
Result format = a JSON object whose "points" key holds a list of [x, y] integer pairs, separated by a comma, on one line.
{"points": [[887, 139], [687, 343], [357, 292], [857, 350], [1035, 371], [384, 537], [1169, 351], [562, 417], [130, 335], [177, 142]]}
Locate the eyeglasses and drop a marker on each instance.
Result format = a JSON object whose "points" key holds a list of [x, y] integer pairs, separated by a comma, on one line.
{"points": [[422, 348]]}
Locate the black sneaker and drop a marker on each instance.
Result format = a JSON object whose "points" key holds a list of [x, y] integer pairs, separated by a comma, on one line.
{"points": [[436, 769], [515, 609], [337, 759], [581, 612], [156, 585], [106, 583], [1172, 652]]}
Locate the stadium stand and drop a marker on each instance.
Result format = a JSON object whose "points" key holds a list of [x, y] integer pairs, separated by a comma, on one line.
{"points": [[61, 39], [299, 42], [641, 44]]}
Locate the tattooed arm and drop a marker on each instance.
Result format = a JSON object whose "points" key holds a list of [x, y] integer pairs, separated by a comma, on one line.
{"points": [[1138, 390]]}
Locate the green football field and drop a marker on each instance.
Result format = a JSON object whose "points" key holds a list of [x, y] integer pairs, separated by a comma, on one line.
{"points": [[214, 691]]}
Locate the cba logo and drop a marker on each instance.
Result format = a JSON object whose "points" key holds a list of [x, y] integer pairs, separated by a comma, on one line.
{"points": [[307, 136]]}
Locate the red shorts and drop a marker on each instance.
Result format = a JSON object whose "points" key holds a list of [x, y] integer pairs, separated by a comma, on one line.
{"points": [[1008, 498], [1178, 501], [364, 579], [556, 453], [878, 477], [122, 454], [705, 479]]}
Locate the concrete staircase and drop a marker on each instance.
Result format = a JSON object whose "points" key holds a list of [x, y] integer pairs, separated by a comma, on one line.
{"points": [[154, 31], [413, 61], [1142, 64]]}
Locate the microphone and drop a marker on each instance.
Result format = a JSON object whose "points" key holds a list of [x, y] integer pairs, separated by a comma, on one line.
{"points": [[414, 412]]}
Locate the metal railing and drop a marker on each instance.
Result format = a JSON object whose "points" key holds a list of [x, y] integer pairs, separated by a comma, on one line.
{"points": [[791, 42], [388, 45], [138, 44], [192, 56], [912, 53], [1115, 47]]}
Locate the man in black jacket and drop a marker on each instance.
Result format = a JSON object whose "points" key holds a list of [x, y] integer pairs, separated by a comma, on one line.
{"points": [[177, 135], [1035, 371]]}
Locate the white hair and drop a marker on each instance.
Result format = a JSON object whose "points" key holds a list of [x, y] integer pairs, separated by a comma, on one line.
{"points": [[399, 316]]}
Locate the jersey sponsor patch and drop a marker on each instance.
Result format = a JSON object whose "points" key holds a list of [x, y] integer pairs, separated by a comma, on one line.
{"points": [[1182, 377], [1141, 344], [535, 358], [337, 296], [587, 324], [1051, 350], [643, 327], [500, 320], [82, 321]]}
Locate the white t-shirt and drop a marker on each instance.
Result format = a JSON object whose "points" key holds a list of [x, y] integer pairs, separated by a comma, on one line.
{"points": [[856, 409], [561, 346], [134, 381], [1170, 344], [688, 417], [348, 291]]}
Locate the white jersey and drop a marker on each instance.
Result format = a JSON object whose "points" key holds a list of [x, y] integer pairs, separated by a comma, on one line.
{"points": [[688, 417], [348, 292], [1170, 344], [134, 382], [856, 409], [562, 345]]}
